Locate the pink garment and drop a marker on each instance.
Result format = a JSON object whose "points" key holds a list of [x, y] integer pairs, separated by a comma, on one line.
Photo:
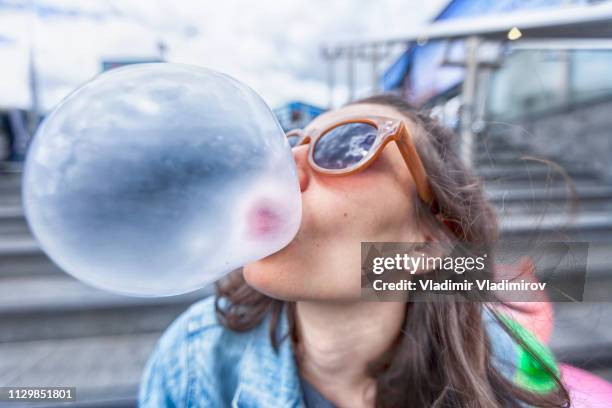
{"points": [[586, 390], [537, 317]]}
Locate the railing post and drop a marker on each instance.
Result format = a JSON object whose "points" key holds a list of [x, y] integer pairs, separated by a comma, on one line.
{"points": [[468, 95], [350, 74]]}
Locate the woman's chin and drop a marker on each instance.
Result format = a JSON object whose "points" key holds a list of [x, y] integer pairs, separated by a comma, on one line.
{"points": [[282, 275], [263, 277]]}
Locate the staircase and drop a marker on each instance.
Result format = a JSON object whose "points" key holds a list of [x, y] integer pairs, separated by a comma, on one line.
{"points": [[533, 205], [57, 331]]}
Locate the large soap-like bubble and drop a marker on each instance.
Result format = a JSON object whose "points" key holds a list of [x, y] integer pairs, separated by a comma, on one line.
{"points": [[157, 179]]}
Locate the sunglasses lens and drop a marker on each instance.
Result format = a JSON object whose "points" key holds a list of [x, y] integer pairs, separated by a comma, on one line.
{"points": [[293, 140], [344, 146]]}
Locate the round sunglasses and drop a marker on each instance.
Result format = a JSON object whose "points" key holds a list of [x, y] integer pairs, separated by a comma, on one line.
{"points": [[351, 145]]}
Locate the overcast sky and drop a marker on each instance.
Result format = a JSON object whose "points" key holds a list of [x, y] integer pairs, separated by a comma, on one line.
{"points": [[271, 45]]}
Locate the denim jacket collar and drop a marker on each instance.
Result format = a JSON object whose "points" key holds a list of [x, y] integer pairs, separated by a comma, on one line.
{"points": [[267, 378]]}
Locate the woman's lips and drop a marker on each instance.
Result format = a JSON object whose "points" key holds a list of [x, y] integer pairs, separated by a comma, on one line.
{"points": [[263, 220]]}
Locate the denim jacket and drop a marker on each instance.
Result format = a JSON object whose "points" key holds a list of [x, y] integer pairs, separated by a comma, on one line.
{"points": [[199, 363]]}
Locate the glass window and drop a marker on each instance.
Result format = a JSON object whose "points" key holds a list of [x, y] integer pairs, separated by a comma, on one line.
{"points": [[530, 81], [591, 77]]}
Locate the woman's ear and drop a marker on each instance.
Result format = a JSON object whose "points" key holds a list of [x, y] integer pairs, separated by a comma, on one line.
{"points": [[453, 226], [450, 229]]}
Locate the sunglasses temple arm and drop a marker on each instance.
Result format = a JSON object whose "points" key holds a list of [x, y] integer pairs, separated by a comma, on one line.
{"points": [[415, 165]]}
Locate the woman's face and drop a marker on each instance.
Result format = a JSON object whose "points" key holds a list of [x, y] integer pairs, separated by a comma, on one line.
{"points": [[323, 262]]}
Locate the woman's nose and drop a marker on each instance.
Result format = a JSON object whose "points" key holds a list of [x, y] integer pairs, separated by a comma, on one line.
{"points": [[300, 155]]}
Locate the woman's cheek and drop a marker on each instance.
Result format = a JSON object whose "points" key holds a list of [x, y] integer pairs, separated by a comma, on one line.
{"points": [[352, 186]]}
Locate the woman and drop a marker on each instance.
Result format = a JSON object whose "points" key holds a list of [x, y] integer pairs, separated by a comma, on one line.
{"points": [[291, 330]]}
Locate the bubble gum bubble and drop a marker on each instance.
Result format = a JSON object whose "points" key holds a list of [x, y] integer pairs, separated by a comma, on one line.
{"points": [[157, 179]]}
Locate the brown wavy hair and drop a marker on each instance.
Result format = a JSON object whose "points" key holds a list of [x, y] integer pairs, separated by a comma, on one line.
{"points": [[442, 356]]}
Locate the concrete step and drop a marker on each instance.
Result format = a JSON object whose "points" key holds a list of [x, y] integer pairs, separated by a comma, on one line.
{"points": [[558, 227], [502, 150], [498, 145], [105, 370], [54, 307], [485, 157], [21, 256], [10, 200], [10, 167], [492, 137], [523, 182], [554, 199], [601, 193], [17, 246], [12, 221], [526, 170], [10, 182]]}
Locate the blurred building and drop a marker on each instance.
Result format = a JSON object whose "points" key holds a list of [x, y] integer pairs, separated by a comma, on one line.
{"points": [[296, 114], [560, 87], [420, 73]]}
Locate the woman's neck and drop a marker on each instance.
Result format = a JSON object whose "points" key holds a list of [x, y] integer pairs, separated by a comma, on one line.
{"points": [[336, 341]]}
